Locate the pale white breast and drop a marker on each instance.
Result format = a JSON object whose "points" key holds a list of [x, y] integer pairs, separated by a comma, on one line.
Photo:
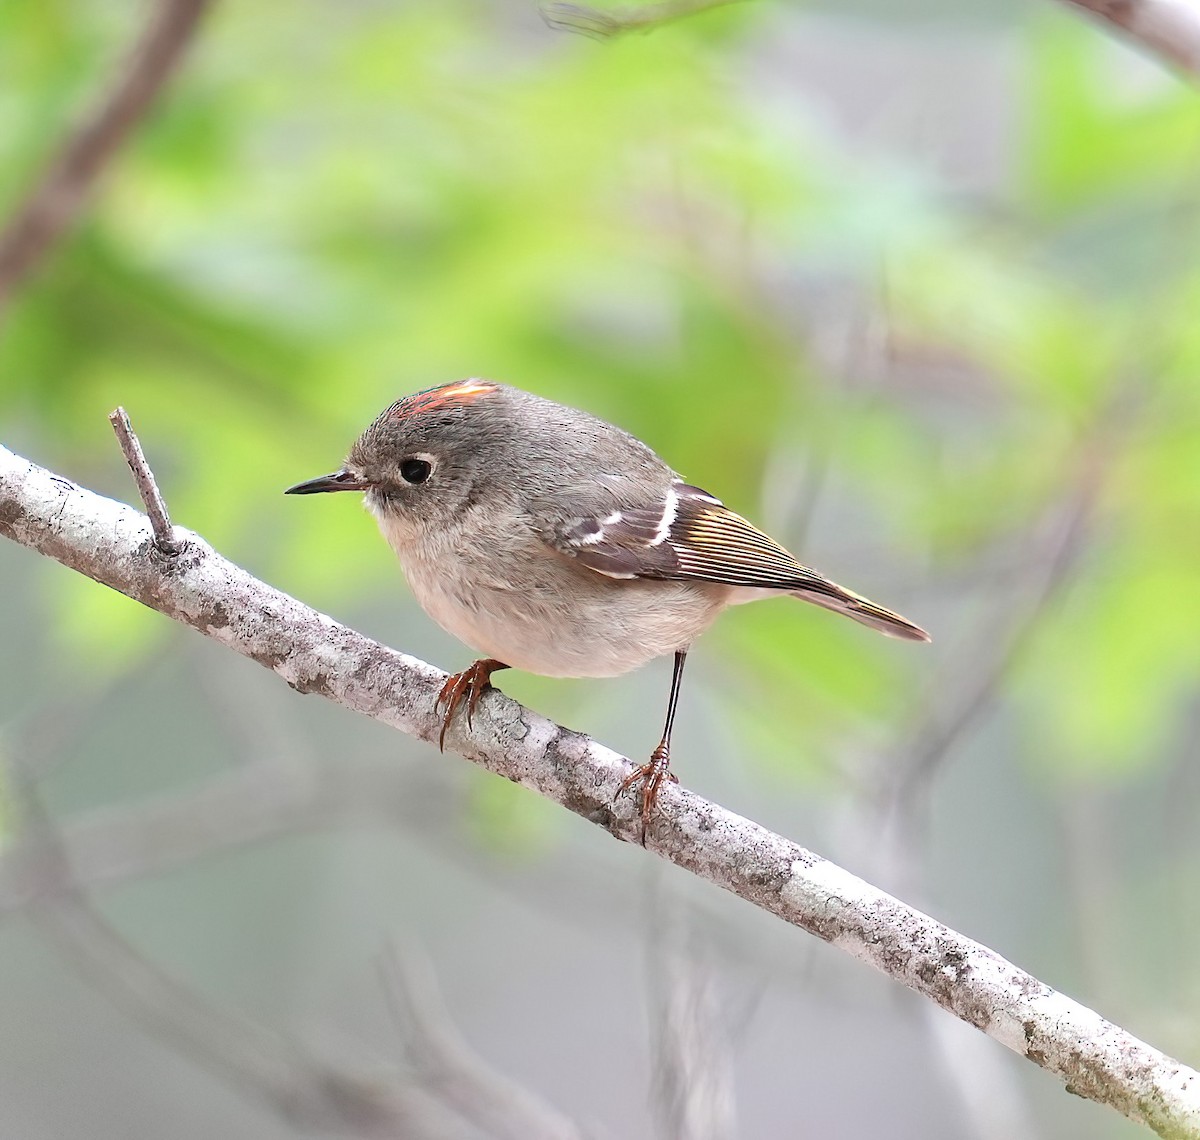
{"points": [[510, 597]]}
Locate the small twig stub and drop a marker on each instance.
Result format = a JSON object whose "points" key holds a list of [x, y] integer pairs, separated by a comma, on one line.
{"points": [[156, 506]]}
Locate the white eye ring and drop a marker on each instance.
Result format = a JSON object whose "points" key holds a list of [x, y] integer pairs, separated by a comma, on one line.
{"points": [[416, 469]]}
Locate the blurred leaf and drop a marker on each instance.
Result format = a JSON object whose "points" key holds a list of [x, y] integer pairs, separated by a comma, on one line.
{"points": [[1110, 670], [804, 677], [1096, 130], [510, 820], [99, 633]]}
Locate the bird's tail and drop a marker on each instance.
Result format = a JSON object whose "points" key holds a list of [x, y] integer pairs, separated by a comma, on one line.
{"points": [[831, 596]]}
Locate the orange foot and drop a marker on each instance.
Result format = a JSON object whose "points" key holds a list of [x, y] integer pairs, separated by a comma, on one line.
{"points": [[468, 684], [651, 776]]}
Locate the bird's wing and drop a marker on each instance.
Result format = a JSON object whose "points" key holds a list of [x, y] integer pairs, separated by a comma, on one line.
{"points": [[687, 535], [692, 536]]}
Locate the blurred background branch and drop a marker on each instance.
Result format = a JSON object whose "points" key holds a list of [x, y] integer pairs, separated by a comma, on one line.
{"points": [[442, 1060], [61, 191], [603, 23], [313, 1095], [693, 1045], [1169, 29]]}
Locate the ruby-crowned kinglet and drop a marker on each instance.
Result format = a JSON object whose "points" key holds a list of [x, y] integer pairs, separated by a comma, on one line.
{"points": [[551, 541]]}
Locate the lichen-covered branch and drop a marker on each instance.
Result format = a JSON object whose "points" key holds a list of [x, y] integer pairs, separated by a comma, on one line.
{"points": [[114, 544]]}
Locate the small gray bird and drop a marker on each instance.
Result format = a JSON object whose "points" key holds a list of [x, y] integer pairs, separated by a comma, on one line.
{"points": [[551, 541]]}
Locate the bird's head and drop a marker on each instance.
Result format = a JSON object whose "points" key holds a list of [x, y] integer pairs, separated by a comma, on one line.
{"points": [[420, 462]]}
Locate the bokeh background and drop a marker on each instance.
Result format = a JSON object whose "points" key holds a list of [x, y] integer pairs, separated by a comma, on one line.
{"points": [[914, 286]]}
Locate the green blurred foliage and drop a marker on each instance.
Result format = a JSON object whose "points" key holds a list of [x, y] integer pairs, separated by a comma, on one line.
{"points": [[408, 194], [911, 378]]}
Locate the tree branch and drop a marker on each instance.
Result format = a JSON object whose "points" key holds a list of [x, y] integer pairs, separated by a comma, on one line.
{"points": [[500, 1108], [1169, 29], [147, 485], [309, 1093], [692, 1051], [604, 23], [56, 199], [114, 545]]}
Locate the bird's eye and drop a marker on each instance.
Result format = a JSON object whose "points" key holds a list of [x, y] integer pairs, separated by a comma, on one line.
{"points": [[415, 470]]}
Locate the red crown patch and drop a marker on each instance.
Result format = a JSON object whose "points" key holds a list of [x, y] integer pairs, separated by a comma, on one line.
{"points": [[456, 395]]}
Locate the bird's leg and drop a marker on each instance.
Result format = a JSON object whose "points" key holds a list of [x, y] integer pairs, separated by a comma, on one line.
{"points": [[470, 683], [652, 775]]}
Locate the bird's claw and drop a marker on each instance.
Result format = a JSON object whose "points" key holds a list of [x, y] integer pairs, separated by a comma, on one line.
{"points": [[651, 775], [469, 684]]}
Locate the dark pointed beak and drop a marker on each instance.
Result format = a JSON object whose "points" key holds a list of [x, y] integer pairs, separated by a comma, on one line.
{"points": [[338, 481]]}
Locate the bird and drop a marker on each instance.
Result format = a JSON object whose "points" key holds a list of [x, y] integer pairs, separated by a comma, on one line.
{"points": [[551, 541]]}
